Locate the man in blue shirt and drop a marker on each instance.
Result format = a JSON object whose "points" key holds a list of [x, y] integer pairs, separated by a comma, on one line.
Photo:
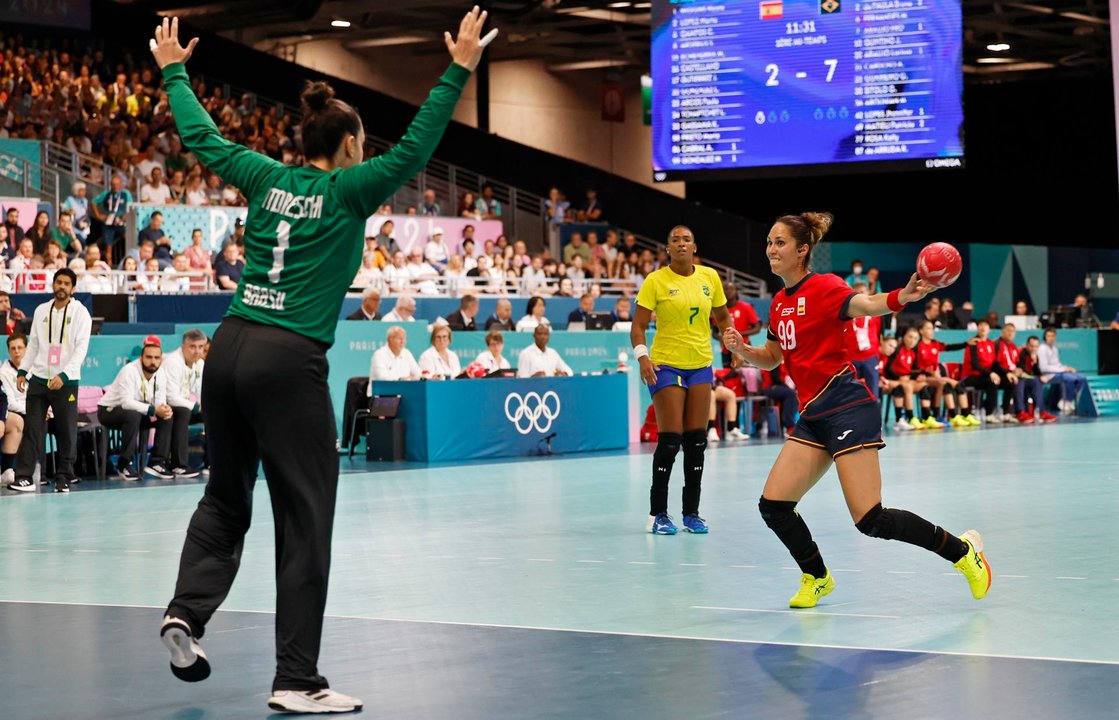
{"points": [[110, 207]]}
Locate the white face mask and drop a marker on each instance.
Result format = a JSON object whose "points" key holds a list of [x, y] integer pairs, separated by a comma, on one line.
{"points": [[858, 269]]}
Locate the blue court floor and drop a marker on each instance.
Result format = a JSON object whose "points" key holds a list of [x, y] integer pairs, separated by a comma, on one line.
{"points": [[523, 590]]}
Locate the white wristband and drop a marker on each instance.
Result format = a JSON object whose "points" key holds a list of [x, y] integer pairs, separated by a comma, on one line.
{"points": [[640, 351]]}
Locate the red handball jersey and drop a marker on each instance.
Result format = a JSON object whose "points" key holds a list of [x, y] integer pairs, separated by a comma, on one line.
{"points": [[902, 363], [742, 316], [928, 355], [979, 357], [807, 320], [861, 337], [1006, 354]]}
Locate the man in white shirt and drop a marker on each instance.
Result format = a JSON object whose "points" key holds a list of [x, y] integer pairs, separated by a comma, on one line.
{"points": [[393, 361], [156, 191], [17, 407], [50, 373], [182, 369], [1065, 377], [539, 360], [403, 311], [136, 402]]}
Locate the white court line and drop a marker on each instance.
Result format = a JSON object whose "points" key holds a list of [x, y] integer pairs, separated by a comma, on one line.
{"points": [[1060, 577], [640, 562], [794, 612], [618, 633]]}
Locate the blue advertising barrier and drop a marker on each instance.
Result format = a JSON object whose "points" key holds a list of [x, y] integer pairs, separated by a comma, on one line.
{"points": [[513, 417]]}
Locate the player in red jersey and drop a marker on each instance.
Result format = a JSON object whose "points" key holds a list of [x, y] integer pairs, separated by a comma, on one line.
{"points": [[979, 370], [861, 340], [936, 377], [839, 417]]}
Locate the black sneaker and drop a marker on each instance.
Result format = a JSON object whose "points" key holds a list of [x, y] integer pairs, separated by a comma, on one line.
{"points": [[22, 485], [127, 473], [185, 472], [160, 470], [61, 485]]}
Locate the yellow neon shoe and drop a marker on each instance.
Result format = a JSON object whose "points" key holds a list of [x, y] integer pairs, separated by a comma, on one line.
{"points": [[959, 421], [974, 565], [972, 421], [916, 424], [932, 423], [811, 590]]}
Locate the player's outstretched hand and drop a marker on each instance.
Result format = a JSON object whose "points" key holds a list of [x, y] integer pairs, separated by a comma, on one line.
{"points": [[466, 49], [916, 289], [165, 46]]}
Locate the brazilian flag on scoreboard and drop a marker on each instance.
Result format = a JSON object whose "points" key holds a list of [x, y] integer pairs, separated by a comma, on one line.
{"points": [[829, 7]]}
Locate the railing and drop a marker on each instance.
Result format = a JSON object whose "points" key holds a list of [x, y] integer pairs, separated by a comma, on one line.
{"points": [[74, 166], [112, 282], [23, 178]]}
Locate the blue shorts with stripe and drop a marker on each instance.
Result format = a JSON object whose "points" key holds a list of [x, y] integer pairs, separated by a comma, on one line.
{"points": [[843, 418], [668, 376]]}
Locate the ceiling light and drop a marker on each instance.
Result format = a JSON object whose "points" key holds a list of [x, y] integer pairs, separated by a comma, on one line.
{"points": [[998, 47], [619, 5], [340, 23], [642, 5], [387, 41], [588, 65]]}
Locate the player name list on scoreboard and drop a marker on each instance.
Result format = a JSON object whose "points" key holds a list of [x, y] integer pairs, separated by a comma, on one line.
{"points": [[751, 78]]}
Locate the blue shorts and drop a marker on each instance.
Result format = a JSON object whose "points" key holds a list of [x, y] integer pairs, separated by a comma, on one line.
{"points": [[841, 419], [668, 376]]}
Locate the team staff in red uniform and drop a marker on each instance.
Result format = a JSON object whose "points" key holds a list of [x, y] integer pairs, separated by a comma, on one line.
{"points": [[861, 340], [901, 367], [839, 417], [979, 369], [745, 318], [936, 376]]}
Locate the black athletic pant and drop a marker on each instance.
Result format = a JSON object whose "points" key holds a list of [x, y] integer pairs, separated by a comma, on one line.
{"points": [[988, 391], [134, 425], [180, 435], [64, 403], [266, 399]]}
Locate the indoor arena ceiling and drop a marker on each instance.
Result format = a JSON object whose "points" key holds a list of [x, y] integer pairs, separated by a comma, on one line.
{"points": [[1054, 37]]}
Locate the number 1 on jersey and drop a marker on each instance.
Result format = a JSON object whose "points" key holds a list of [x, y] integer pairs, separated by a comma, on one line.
{"points": [[283, 233]]}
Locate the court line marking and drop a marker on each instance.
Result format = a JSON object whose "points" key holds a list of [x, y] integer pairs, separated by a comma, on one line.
{"points": [[794, 612], [619, 633]]}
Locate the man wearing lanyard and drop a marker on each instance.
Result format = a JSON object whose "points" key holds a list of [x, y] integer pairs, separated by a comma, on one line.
{"points": [[50, 372], [183, 371], [110, 208], [134, 404]]}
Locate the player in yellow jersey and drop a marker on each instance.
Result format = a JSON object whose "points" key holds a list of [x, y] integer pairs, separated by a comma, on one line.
{"points": [[683, 296]]}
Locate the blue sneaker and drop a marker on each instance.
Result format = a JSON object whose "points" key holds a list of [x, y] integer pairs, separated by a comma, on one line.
{"points": [[694, 524], [661, 525]]}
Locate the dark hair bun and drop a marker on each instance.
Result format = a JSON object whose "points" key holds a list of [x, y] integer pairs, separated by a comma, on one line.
{"points": [[316, 95]]}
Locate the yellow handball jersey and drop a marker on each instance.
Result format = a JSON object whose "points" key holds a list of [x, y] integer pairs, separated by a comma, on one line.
{"points": [[682, 306]]}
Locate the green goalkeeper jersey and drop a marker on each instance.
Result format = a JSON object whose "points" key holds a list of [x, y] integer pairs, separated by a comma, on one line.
{"points": [[306, 227]]}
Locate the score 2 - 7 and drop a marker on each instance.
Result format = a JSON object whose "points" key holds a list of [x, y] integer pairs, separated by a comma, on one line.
{"points": [[772, 71]]}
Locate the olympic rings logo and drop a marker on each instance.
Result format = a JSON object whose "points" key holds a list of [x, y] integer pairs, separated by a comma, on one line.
{"points": [[532, 411]]}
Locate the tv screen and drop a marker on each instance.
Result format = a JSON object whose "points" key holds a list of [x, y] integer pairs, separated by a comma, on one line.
{"points": [[773, 88]]}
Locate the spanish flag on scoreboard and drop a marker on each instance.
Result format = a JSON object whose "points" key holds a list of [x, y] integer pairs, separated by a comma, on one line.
{"points": [[771, 9]]}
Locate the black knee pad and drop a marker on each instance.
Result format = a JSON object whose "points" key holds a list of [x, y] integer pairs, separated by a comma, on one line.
{"points": [[777, 514], [695, 442], [668, 444], [880, 522]]}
